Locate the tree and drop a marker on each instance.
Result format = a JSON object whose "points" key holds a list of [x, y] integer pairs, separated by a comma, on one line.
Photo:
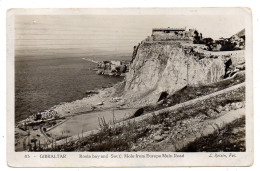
{"points": [[208, 41], [196, 37]]}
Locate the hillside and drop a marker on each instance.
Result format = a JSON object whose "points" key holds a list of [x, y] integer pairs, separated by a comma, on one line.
{"points": [[159, 68], [175, 128], [176, 97], [241, 33], [186, 98]]}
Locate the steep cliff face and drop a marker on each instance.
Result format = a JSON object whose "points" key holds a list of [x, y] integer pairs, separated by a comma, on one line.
{"points": [[205, 70], [167, 67]]}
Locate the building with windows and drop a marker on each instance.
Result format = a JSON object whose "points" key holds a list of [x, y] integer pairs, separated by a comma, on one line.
{"points": [[175, 34]]}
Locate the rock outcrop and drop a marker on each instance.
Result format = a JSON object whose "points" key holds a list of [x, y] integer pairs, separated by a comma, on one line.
{"points": [[169, 66]]}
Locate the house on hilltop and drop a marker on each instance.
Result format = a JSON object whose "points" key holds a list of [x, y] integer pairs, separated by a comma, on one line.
{"points": [[175, 34], [168, 30]]}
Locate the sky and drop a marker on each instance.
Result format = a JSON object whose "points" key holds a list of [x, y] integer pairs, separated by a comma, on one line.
{"points": [[79, 35]]}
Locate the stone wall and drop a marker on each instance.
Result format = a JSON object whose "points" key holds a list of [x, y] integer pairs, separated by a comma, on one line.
{"points": [[159, 36]]}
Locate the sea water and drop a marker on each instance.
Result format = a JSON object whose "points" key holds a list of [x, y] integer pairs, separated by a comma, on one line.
{"points": [[43, 83]]}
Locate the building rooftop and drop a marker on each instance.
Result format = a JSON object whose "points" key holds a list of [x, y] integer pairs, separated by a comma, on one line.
{"points": [[169, 29]]}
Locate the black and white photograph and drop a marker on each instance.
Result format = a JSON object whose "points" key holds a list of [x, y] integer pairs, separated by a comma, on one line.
{"points": [[132, 82]]}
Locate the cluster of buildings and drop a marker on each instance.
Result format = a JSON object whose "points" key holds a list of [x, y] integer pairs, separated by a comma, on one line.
{"points": [[47, 114], [235, 42], [38, 118]]}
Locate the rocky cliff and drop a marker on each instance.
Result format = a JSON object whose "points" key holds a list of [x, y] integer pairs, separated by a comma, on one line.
{"points": [[166, 67]]}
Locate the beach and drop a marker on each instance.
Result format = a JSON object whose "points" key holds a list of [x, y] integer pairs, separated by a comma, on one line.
{"points": [[44, 83]]}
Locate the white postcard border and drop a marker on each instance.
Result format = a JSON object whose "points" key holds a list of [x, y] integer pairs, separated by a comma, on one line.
{"points": [[37, 159]]}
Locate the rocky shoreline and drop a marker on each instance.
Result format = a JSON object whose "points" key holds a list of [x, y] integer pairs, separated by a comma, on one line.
{"points": [[158, 71], [112, 68]]}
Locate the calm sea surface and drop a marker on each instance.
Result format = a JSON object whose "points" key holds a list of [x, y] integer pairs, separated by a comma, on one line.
{"points": [[43, 83]]}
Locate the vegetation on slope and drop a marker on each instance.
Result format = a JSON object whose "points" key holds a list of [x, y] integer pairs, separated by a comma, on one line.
{"points": [[133, 135], [231, 138], [189, 92]]}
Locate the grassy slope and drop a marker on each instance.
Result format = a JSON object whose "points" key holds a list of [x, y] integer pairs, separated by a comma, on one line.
{"points": [[133, 134], [231, 138], [189, 92]]}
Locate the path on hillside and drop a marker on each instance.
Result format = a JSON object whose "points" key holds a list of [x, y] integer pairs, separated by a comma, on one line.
{"points": [[187, 131], [90, 121], [155, 113]]}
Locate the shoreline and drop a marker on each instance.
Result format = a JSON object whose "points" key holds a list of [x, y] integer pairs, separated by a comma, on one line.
{"points": [[63, 107], [97, 106], [105, 101], [75, 74]]}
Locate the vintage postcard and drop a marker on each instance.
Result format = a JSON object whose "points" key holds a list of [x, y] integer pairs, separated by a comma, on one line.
{"points": [[129, 87]]}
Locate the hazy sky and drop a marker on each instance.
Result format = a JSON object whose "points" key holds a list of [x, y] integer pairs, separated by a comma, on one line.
{"points": [[107, 34]]}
